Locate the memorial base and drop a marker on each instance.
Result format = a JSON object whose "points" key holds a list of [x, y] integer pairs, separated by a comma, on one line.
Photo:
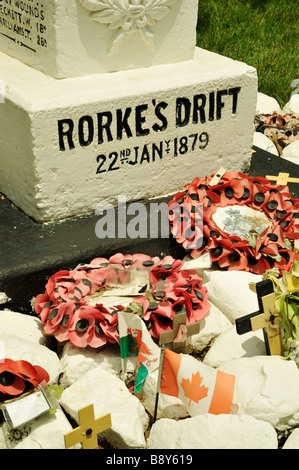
{"points": [[31, 252], [69, 145]]}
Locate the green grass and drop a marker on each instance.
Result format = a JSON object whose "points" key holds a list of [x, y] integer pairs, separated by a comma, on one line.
{"points": [[261, 33]]}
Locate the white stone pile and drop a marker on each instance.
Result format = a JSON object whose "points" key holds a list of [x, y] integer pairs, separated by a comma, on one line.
{"points": [[268, 105], [265, 412]]}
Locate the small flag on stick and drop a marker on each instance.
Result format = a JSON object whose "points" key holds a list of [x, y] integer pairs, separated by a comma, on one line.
{"points": [[201, 388], [135, 337]]}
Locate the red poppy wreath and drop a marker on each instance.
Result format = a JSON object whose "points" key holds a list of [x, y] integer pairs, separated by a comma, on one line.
{"points": [[73, 306], [18, 377], [246, 223]]}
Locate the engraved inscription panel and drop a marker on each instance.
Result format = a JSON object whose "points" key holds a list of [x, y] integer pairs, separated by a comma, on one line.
{"points": [[24, 23]]}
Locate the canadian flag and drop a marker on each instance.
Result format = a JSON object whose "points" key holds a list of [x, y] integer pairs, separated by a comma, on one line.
{"points": [[201, 388]]}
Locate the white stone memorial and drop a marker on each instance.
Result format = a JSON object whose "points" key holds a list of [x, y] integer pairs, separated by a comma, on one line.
{"points": [[103, 98]]}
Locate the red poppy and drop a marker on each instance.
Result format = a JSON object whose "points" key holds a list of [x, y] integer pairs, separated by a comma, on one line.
{"points": [[43, 306], [60, 320], [167, 266], [17, 377], [92, 326]]}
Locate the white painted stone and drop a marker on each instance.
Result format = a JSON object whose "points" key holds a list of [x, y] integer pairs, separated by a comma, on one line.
{"points": [[4, 298], [230, 345], [292, 106], [211, 326], [291, 152], [48, 182], [75, 362], [292, 441], [168, 406], [23, 326], [3, 444], [266, 104], [263, 142], [213, 432], [230, 292], [108, 394], [17, 348], [83, 37], [45, 432], [266, 387]]}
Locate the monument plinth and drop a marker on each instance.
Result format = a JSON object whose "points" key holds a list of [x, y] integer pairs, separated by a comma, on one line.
{"points": [[68, 145], [72, 38]]}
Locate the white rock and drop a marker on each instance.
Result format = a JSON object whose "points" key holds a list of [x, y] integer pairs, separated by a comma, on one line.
{"points": [[292, 441], [230, 345], [21, 349], [3, 444], [230, 292], [24, 326], [45, 432], [266, 104], [109, 394], [266, 387], [291, 152], [213, 432], [211, 326], [4, 298], [75, 362], [263, 142], [292, 106], [168, 406]]}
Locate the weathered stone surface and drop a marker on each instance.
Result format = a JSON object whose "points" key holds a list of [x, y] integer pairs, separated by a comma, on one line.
{"points": [[292, 106], [292, 441], [263, 142], [83, 37], [45, 432], [233, 303], [17, 349], [230, 345], [213, 432], [23, 326], [266, 104], [211, 326], [108, 394], [291, 152], [266, 387], [75, 362]]}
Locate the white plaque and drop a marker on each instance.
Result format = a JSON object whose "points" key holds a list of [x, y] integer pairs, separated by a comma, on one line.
{"points": [[24, 409]]}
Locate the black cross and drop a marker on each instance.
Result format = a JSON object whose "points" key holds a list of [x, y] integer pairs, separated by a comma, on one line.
{"points": [[265, 318]]}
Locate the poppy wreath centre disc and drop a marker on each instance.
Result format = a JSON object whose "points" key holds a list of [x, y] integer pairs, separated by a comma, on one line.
{"points": [[246, 223], [81, 305]]}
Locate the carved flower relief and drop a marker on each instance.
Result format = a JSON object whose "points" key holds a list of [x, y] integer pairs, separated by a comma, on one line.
{"points": [[129, 16]]}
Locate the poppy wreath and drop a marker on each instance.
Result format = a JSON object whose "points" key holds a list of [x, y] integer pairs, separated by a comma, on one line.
{"points": [[69, 310], [272, 248], [18, 377]]}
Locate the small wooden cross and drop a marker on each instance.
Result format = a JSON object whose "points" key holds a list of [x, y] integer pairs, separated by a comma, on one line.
{"points": [[283, 179], [216, 178], [175, 339], [87, 432], [265, 318]]}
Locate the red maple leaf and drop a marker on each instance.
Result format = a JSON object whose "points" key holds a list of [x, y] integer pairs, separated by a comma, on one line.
{"points": [[194, 389]]}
